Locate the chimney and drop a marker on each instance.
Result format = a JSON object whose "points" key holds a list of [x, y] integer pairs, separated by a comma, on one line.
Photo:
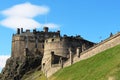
{"points": [[45, 29], [34, 31], [58, 31], [21, 30], [18, 31]]}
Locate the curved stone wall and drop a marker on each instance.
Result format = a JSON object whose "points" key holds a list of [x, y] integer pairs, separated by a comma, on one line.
{"points": [[62, 47]]}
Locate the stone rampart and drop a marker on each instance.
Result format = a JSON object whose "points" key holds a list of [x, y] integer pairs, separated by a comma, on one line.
{"points": [[104, 45]]}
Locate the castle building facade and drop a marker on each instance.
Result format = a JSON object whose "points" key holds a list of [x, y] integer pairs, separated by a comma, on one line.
{"points": [[27, 43], [54, 48]]}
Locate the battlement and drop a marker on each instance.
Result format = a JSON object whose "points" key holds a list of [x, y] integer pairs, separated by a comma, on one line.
{"points": [[30, 40], [45, 31]]}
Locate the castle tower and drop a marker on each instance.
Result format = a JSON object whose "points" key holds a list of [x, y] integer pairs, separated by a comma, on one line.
{"points": [[45, 29], [21, 30], [18, 30], [30, 40]]}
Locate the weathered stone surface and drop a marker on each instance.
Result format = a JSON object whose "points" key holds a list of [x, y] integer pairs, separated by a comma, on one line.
{"points": [[0, 75], [16, 67]]}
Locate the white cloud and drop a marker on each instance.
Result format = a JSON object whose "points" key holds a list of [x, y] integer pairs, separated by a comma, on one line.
{"points": [[26, 10], [51, 25], [15, 22], [22, 15], [3, 59]]}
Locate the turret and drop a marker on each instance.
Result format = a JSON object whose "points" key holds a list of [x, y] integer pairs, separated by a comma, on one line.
{"points": [[45, 29], [34, 31], [21, 30], [18, 30]]}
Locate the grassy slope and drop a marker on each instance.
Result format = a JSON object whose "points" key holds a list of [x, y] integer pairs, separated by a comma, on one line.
{"points": [[34, 75], [103, 66]]}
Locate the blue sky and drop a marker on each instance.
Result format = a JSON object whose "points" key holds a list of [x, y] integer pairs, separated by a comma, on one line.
{"points": [[94, 20]]}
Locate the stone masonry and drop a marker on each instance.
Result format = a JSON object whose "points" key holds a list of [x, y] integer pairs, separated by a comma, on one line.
{"points": [[53, 48], [110, 42]]}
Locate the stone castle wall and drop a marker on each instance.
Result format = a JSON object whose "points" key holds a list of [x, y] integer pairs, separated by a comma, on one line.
{"points": [[61, 47], [27, 43], [56, 46], [19, 45], [104, 45], [53, 47]]}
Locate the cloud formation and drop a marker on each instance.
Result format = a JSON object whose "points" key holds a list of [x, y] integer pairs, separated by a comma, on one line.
{"points": [[3, 59], [26, 10], [15, 22], [22, 15], [51, 25]]}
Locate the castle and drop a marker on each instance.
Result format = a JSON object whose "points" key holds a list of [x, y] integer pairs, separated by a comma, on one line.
{"points": [[49, 51], [54, 48]]}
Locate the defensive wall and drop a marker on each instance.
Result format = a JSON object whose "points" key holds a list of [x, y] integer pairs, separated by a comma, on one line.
{"points": [[104, 45], [57, 50]]}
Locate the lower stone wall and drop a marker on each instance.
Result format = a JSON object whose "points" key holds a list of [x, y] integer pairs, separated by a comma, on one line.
{"points": [[104, 45], [51, 71]]}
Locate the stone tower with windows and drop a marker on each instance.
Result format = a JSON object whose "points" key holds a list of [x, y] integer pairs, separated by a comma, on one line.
{"points": [[29, 43]]}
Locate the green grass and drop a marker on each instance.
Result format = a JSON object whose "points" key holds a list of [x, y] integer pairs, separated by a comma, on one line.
{"points": [[34, 75], [103, 66]]}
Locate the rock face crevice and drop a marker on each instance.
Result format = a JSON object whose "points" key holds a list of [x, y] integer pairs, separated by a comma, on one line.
{"points": [[16, 67]]}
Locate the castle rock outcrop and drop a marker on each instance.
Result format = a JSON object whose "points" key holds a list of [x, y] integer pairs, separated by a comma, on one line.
{"points": [[16, 67]]}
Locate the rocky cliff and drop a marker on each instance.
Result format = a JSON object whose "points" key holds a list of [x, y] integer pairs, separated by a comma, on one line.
{"points": [[16, 67]]}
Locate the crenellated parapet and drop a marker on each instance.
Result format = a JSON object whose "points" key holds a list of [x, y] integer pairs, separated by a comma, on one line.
{"points": [[31, 40]]}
